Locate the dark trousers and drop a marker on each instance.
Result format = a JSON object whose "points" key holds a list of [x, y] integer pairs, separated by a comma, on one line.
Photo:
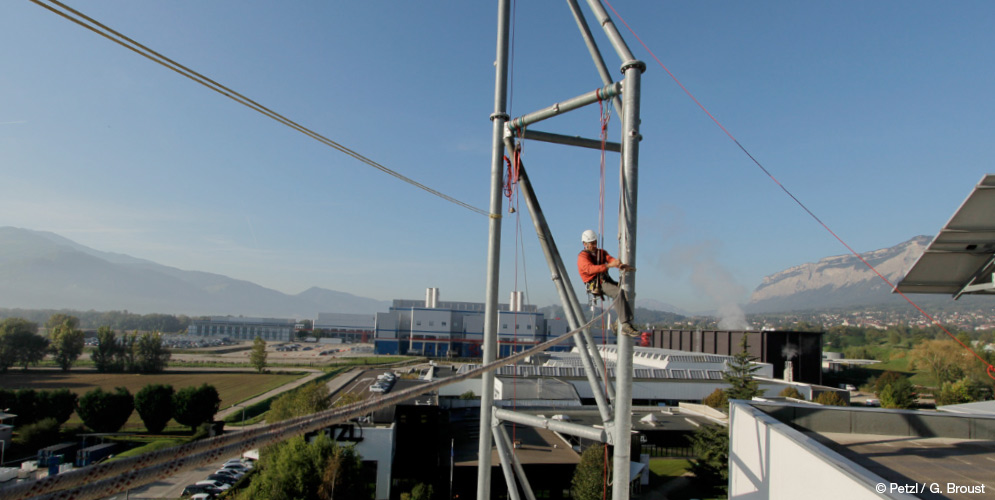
{"points": [[611, 289]]}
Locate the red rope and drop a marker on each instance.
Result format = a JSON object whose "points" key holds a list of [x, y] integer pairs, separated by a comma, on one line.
{"points": [[990, 370]]}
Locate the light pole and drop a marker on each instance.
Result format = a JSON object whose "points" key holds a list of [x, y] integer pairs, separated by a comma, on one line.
{"points": [[243, 413]]}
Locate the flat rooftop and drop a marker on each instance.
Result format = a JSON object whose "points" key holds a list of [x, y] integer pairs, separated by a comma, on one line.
{"points": [[912, 447], [910, 459]]}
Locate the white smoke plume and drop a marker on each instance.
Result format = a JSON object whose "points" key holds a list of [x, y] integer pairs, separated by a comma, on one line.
{"points": [[713, 280]]}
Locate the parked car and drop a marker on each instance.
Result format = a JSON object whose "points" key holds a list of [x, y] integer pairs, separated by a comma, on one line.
{"points": [[194, 489], [231, 472], [237, 468], [201, 496], [238, 461], [224, 478], [217, 484]]}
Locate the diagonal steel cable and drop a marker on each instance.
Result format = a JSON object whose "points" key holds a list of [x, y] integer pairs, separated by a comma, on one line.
{"points": [[144, 51]]}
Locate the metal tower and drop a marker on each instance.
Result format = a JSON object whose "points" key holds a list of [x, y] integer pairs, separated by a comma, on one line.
{"points": [[616, 411]]}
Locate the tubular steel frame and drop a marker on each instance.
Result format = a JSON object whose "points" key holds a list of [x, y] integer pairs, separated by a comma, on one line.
{"points": [[617, 426]]}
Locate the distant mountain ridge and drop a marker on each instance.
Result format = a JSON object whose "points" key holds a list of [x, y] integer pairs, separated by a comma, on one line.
{"points": [[42, 270], [838, 282]]}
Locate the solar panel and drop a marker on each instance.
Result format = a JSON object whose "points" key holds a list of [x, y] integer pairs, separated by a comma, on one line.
{"points": [[961, 259]]}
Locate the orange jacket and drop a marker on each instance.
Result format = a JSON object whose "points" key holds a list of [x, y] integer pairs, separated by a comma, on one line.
{"points": [[591, 265]]}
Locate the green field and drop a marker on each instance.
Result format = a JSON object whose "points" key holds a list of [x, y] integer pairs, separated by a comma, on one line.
{"points": [[233, 387]]}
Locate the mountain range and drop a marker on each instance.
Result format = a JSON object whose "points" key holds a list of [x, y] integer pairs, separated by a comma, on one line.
{"points": [[42, 270], [841, 281]]}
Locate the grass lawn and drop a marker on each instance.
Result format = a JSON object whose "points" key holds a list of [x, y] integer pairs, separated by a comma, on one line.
{"points": [[667, 468], [233, 387]]}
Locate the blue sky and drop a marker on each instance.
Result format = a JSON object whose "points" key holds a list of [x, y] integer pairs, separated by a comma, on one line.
{"points": [[877, 115]]}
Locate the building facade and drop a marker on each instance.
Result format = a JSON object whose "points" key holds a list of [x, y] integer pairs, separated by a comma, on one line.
{"points": [[456, 329], [348, 327], [240, 328]]}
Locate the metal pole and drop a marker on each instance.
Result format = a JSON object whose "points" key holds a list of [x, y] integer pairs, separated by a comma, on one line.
{"points": [[562, 282], [498, 120], [627, 248], [519, 471], [578, 430], [571, 140], [613, 35], [505, 454], [567, 105], [592, 47]]}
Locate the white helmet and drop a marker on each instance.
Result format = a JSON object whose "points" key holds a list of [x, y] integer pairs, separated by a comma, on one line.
{"points": [[588, 236]]}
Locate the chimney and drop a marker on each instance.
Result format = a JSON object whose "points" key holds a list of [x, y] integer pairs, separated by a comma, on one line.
{"points": [[789, 372], [516, 301], [431, 298]]}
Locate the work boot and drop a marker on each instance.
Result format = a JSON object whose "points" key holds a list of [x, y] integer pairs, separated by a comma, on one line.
{"points": [[629, 331]]}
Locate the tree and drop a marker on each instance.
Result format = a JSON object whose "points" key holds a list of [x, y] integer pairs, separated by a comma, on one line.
{"points": [[58, 319], [739, 375], [830, 398], [717, 399], [151, 356], [710, 444], [38, 435], [257, 357], [791, 392], [964, 390], [154, 403], [943, 358], [421, 491], [127, 353], [886, 378], [899, 394], [193, 406], [29, 406], [106, 411], [20, 343], [468, 395], [297, 469], [588, 481], [305, 400], [107, 357], [60, 404], [347, 399], [66, 342]]}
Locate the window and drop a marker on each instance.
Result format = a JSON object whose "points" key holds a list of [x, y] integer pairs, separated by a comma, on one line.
{"points": [[443, 323], [418, 323], [431, 323]]}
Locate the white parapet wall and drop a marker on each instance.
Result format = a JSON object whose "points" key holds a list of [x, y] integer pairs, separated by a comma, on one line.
{"points": [[768, 460]]}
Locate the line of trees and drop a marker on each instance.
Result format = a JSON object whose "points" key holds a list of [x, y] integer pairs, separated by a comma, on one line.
{"points": [[143, 353], [117, 320], [108, 411], [21, 345]]}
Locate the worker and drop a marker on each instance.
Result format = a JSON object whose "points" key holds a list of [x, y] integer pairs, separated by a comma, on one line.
{"points": [[593, 264]]}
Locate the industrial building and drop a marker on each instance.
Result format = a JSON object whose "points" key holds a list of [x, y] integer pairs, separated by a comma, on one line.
{"points": [[799, 351], [240, 328], [456, 329], [348, 327], [660, 377]]}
